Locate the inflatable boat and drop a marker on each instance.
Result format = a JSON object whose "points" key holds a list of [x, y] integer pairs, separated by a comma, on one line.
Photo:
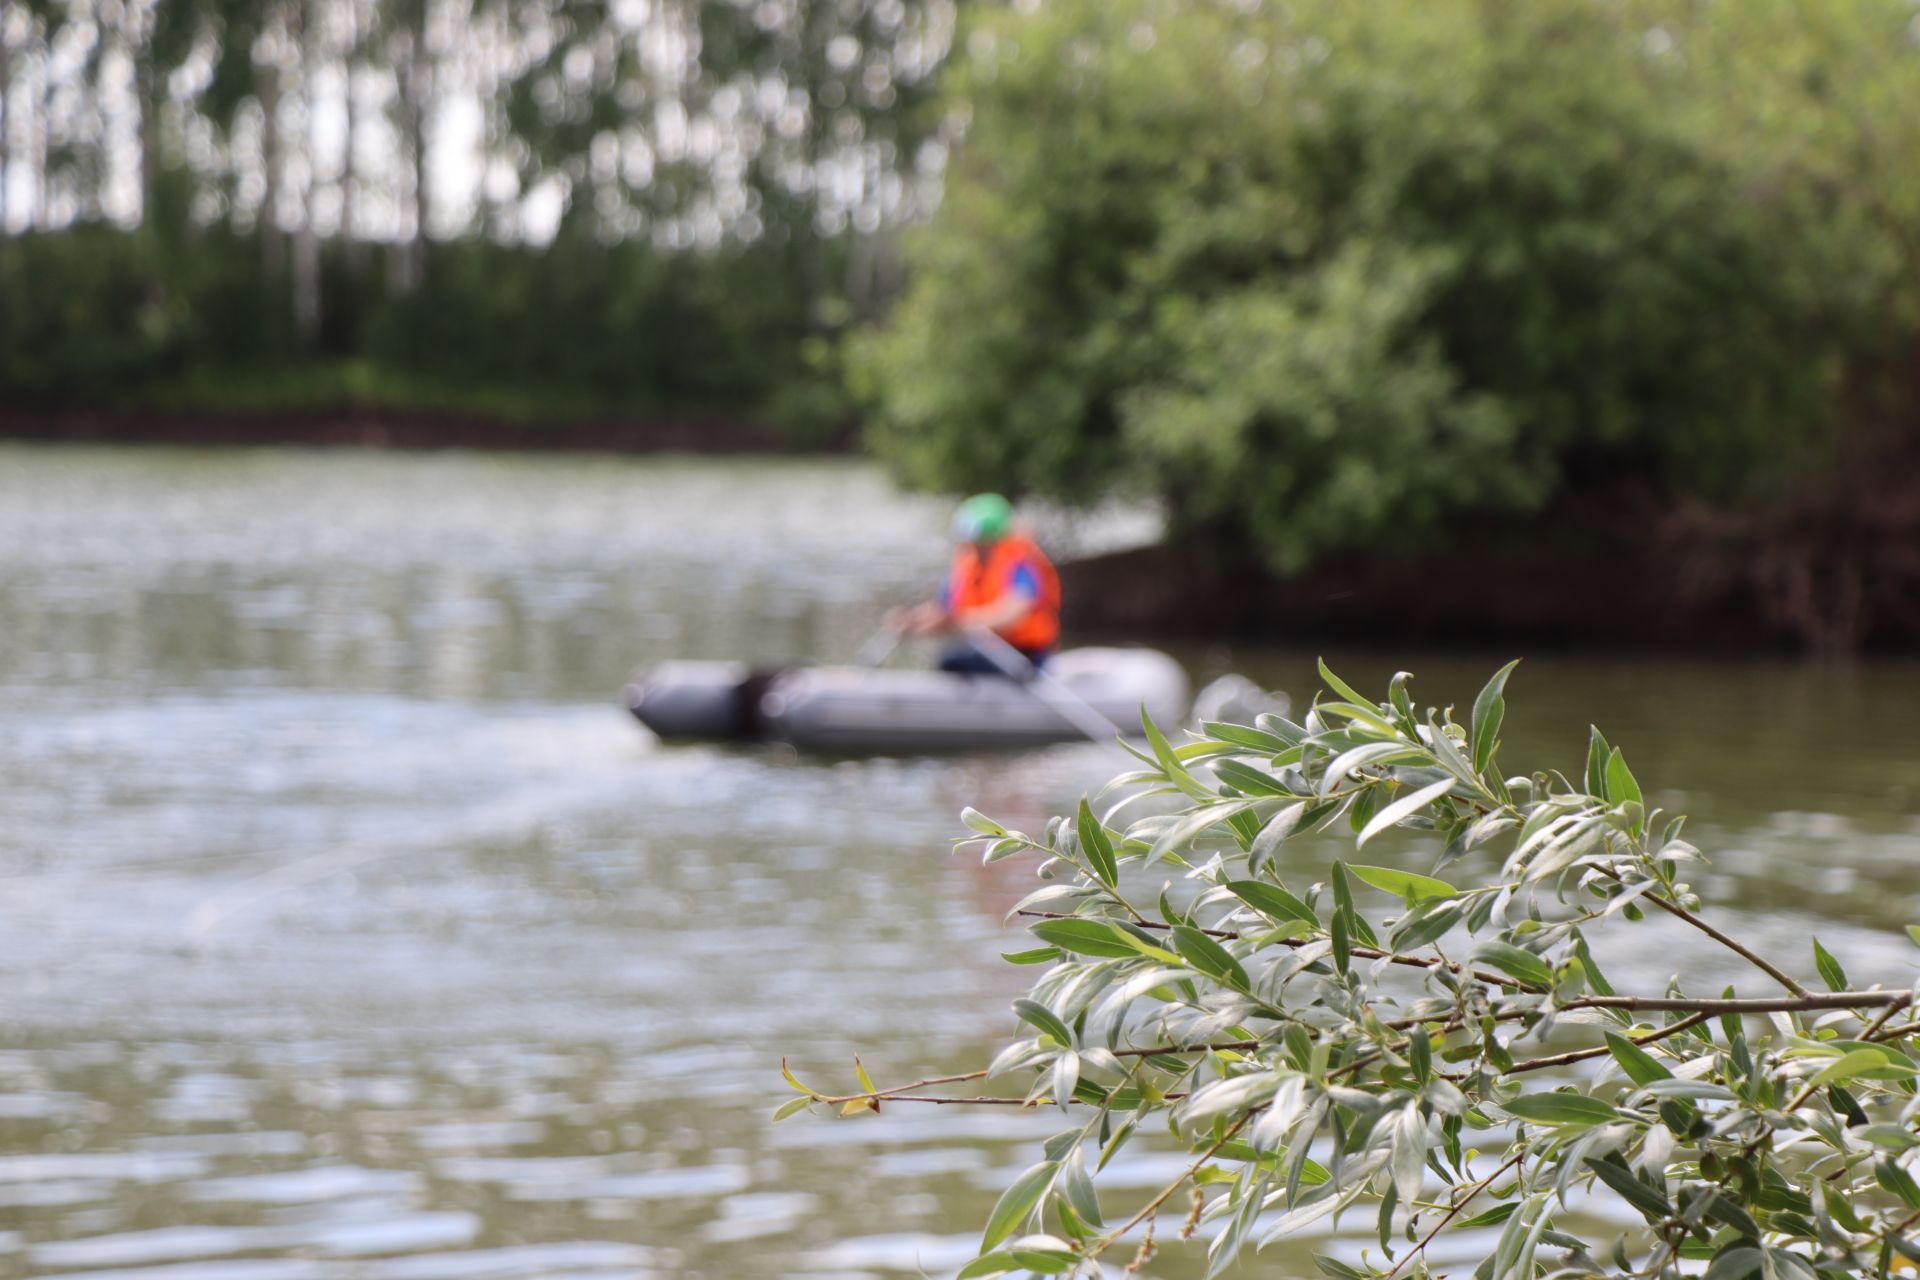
{"points": [[859, 711]]}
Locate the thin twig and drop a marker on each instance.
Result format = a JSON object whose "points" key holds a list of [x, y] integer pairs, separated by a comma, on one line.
{"points": [[1147, 1210], [1879, 1024], [1761, 1004], [1581, 1055], [1766, 966], [895, 1092], [1454, 1212]]}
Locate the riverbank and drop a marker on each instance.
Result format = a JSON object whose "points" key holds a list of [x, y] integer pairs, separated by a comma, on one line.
{"points": [[1828, 573], [401, 427]]}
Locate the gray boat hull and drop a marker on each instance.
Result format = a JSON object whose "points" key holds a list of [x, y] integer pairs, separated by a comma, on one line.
{"points": [[852, 711]]}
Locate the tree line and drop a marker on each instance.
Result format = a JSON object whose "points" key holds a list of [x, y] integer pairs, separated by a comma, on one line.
{"points": [[1331, 279], [641, 202]]}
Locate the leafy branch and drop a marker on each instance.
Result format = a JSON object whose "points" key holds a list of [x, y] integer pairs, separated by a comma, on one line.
{"points": [[1766, 1135]]}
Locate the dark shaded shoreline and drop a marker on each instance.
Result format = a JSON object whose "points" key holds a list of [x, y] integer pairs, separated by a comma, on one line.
{"points": [[386, 428], [1550, 583]]}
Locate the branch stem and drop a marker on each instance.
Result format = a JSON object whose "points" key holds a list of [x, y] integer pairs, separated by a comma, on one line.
{"points": [[1581, 1055], [1361, 953], [1150, 1207], [1454, 1211], [1760, 962], [1742, 1005]]}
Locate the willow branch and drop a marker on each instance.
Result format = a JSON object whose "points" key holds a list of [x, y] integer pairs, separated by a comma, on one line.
{"points": [[1762, 1004], [1454, 1211], [1150, 1207], [1879, 1024], [898, 1092], [1581, 1055], [1364, 953], [1760, 962]]}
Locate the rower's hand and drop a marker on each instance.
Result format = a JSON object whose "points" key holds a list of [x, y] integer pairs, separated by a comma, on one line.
{"points": [[919, 620]]}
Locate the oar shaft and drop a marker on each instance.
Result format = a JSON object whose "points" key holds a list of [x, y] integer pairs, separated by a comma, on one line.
{"points": [[1070, 706]]}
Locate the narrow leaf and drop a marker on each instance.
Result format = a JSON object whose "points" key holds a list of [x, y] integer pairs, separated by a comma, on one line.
{"points": [[1037, 1015], [1570, 1109], [1488, 710], [1641, 1067], [1272, 901], [1096, 846], [1083, 937], [1830, 971], [1016, 1202], [1404, 884]]}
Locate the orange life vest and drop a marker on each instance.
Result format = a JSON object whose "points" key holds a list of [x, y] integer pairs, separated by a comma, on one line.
{"points": [[976, 581]]}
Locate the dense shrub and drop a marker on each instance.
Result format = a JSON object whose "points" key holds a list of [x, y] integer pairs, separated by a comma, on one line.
{"points": [[1324, 273]]}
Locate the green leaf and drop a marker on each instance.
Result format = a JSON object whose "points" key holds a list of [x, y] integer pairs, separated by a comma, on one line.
{"points": [[1096, 845], [1046, 1262], [978, 821], [1341, 687], [860, 1074], [789, 1107], [786, 1073], [1208, 956], [1913, 931], [1246, 778], [1242, 736], [1016, 1202], [1037, 1015], [1492, 1217], [1569, 1109], [1898, 1181], [1641, 1067], [1337, 1269], [1860, 1062], [1488, 710], [1621, 788], [1084, 937], [1038, 955], [989, 1264], [1402, 809], [1405, 884], [1176, 772], [1830, 971], [1596, 763], [1513, 961], [1621, 1181], [1735, 1263], [1425, 923], [1272, 901]]}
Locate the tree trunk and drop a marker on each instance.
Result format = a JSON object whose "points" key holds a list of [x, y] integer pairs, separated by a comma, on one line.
{"points": [[351, 232], [6, 123], [306, 240], [419, 95], [272, 242]]}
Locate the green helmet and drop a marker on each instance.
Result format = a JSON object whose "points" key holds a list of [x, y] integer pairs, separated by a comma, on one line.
{"points": [[985, 517]]}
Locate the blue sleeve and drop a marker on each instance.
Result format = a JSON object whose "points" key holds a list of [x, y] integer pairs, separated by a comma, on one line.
{"points": [[1026, 582]]}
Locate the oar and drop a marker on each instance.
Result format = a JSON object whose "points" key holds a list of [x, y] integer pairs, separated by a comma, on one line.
{"points": [[1072, 708], [877, 648]]}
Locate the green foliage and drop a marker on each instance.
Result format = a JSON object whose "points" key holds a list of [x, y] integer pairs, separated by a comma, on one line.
{"points": [[1322, 274], [1763, 1134], [571, 329]]}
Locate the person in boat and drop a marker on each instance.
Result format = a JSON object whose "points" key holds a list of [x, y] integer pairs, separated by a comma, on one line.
{"points": [[1000, 581]]}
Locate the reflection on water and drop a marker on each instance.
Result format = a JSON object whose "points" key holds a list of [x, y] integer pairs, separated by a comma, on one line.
{"points": [[354, 931]]}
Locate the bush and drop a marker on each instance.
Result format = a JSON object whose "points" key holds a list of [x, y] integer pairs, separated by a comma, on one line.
{"points": [[1325, 274], [1377, 1016]]}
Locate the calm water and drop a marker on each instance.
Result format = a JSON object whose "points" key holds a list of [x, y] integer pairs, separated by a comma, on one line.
{"points": [[353, 930]]}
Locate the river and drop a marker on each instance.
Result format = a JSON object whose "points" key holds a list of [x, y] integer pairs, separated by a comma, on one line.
{"points": [[354, 930]]}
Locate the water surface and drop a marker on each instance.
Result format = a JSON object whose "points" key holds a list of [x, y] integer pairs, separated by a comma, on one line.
{"points": [[355, 931]]}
